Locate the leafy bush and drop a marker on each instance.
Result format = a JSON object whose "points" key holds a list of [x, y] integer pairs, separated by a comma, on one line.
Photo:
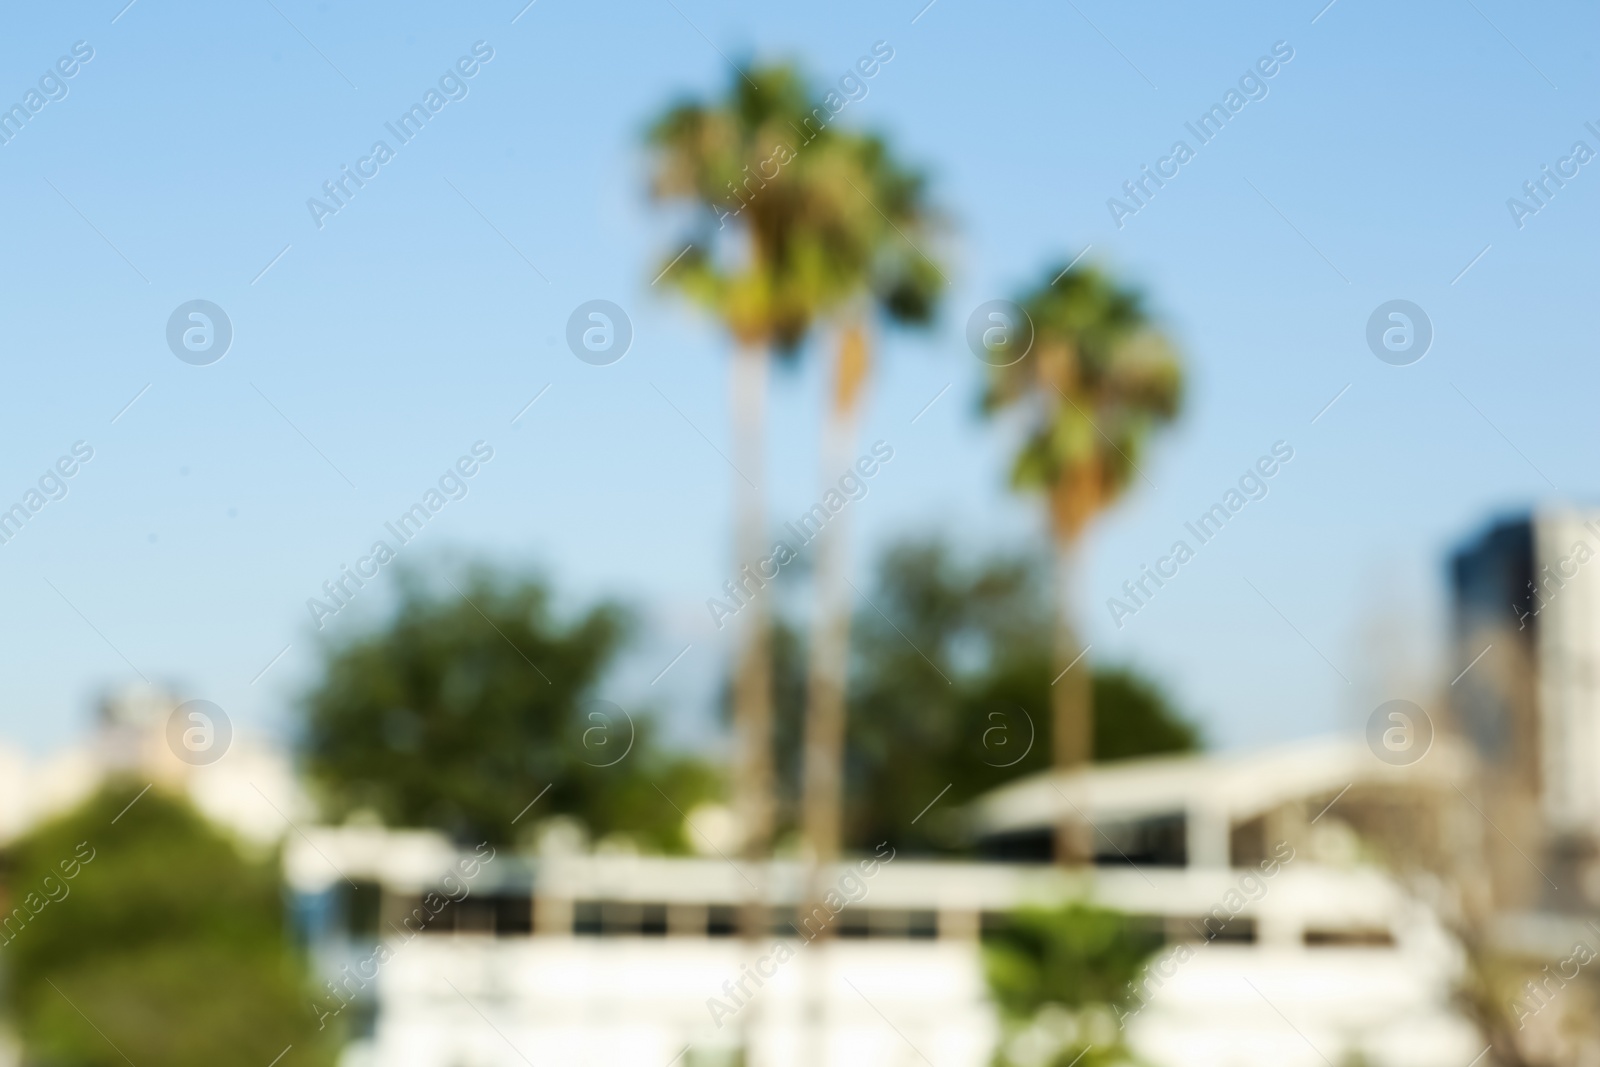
{"points": [[1061, 978], [167, 947]]}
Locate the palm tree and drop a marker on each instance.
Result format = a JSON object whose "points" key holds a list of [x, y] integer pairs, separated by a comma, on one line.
{"points": [[894, 279], [1097, 380], [769, 251]]}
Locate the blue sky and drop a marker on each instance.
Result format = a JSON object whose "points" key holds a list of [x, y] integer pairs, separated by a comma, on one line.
{"points": [[428, 312]]}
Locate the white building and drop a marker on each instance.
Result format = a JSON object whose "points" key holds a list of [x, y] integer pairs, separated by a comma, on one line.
{"points": [[1285, 946], [1568, 660], [1527, 602]]}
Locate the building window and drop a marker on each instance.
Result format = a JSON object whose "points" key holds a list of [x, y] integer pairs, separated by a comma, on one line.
{"points": [[1349, 937]]}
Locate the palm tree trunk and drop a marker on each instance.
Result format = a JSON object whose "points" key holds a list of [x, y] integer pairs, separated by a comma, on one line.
{"points": [[830, 632], [826, 677], [824, 753], [752, 686], [1072, 710], [752, 679], [826, 672]]}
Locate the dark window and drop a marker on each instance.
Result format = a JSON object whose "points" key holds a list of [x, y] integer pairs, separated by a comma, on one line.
{"points": [[1353, 937], [889, 922], [513, 916], [784, 922], [415, 918], [1237, 930], [1019, 846], [853, 922], [470, 915], [1247, 842], [722, 920], [993, 923], [499, 915], [362, 906], [619, 917], [1157, 841]]}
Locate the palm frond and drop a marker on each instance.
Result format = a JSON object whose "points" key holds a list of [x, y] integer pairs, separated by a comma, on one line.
{"points": [[1098, 380], [820, 215]]}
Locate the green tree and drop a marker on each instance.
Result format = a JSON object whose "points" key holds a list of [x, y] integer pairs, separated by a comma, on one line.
{"points": [[945, 691], [1061, 977], [1098, 379], [950, 685], [162, 943], [775, 243], [471, 702], [1134, 717]]}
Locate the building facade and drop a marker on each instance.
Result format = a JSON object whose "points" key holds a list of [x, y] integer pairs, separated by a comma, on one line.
{"points": [[1283, 943], [1526, 650]]}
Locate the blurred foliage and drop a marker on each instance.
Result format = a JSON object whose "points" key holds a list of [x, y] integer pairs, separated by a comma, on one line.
{"points": [[1099, 379], [167, 947], [1061, 977], [1072, 955], [791, 215], [1133, 717], [950, 685], [465, 706]]}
